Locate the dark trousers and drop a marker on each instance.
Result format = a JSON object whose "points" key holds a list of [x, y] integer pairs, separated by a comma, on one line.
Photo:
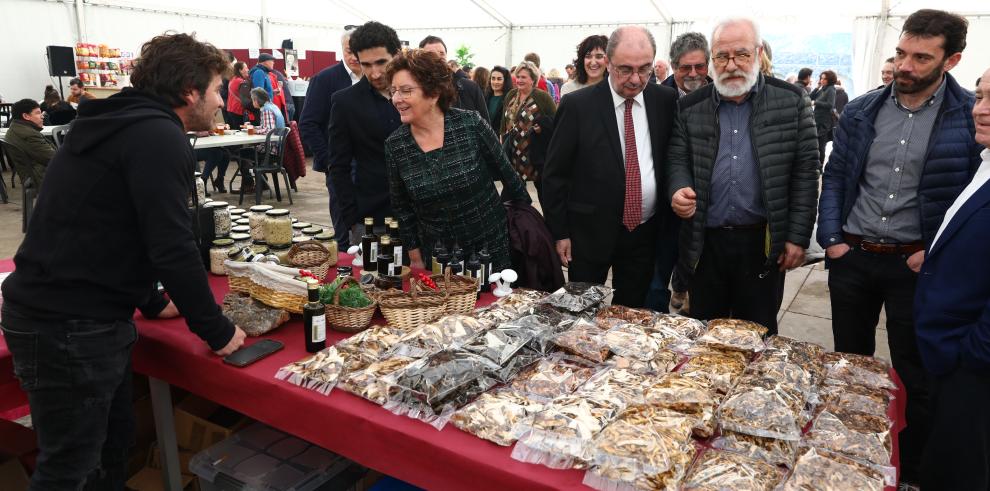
{"points": [[631, 263], [667, 270], [214, 158], [860, 283], [823, 139], [77, 375], [341, 231], [733, 280], [957, 455], [234, 120]]}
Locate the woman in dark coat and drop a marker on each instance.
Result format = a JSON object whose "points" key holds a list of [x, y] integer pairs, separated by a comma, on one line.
{"points": [[824, 100]]}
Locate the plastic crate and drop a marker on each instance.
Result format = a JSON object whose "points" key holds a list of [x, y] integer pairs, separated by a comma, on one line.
{"points": [[261, 458]]}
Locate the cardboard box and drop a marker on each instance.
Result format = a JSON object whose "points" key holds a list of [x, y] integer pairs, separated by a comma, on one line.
{"points": [[13, 476], [200, 423], [155, 459], [151, 480]]}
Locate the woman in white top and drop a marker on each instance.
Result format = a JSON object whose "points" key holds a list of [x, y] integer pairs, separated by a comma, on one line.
{"points": [[589, 66]]}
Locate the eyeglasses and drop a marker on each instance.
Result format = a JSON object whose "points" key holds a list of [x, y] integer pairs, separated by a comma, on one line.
{"points": [[625, 71], [741, 58], [405, 92], [686, 69]]}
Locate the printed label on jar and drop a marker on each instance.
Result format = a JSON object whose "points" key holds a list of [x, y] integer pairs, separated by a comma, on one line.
{"points": [[319, 328], [374, 251]]}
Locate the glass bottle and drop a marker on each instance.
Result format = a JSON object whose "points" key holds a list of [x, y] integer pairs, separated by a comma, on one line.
{"points": [[314, 318], [397, 252], [473, 270], [486, 269], [369, 246], [385, 256]]}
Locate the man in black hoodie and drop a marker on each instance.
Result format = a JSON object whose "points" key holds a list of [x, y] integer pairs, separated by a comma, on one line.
{"points": [[110, 219]]}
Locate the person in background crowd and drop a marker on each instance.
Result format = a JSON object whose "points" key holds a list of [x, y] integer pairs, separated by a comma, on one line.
{"points": [[454, 66], [73, 356], [660, 69], [482, 77], [235, 106], [804, 79], [901, 155], [441, 163], [590, 64], [604, 168], [952, 312], [571, 72], [263, 76], [887, 72], [554, 76], [361, 119], [743, 173], [501, 84], [271, 116], [791, 78], [225, 91], [56, 111], [315, 121], [469, 95], [535, 60], [841, 99], [689, 61], [290, 105], [30, 151], [78, 92], [766, 60], [528, 114], [823, 98]]}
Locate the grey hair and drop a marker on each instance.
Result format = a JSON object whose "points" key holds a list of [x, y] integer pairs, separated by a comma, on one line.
{"points": [[530, 67], [261, 95], [344, 38], [616, 38], [686, 43], [740, 20]]}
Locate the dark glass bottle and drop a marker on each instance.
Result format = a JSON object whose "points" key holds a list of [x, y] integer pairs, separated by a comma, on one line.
{"points": [[443, 260], [473, 269], [486, 269], [398, 255], [314, 319], [438, 250], [458, 255], [369, 246], [385, 258], [455, 268]]}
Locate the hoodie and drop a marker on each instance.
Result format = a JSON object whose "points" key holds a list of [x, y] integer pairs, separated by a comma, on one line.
{"points": [[111, 218]]}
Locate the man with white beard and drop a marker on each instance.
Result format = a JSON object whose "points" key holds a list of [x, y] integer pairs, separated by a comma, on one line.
{"points": [[743, 174]]}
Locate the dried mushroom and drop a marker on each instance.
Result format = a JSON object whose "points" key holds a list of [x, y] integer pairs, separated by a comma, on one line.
{"points": [[717, 471], [495, 416], [819, 470]]}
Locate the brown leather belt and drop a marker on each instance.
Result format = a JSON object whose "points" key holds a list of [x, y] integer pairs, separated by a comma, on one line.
{"points": [[882, 248]]}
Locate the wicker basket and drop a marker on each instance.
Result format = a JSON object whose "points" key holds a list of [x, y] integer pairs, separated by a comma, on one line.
{"points": [[311, 256], [410, 310], [462, 292], [270, 284], [239, 284], [349, 319]]}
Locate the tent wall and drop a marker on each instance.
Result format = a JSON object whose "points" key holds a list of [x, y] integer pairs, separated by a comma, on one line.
{"points": [[26, 33]]}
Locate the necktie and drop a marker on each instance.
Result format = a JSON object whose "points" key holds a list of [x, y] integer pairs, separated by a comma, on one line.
{"points": [[632, 212]]}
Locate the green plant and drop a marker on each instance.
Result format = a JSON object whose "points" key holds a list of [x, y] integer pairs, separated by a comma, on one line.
{"points": [[463, 56], [350, 296]]}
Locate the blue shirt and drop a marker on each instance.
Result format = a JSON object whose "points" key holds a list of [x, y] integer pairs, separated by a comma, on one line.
{"points": [[736, 189]]}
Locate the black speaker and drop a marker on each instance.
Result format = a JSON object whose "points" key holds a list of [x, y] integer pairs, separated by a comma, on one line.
{"points": [[287, 44], [61, 62]]}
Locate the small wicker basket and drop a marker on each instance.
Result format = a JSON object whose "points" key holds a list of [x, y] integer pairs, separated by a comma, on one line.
{"points": [[408, 311], [462, 292], [270, 284], [312, 256], [349, 319]]}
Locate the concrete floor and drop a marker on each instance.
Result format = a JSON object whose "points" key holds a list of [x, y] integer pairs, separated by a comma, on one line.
{"points": [[805, 312]]}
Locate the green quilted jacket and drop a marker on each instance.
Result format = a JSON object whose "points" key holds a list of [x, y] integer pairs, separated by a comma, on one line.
{"points": [[785, 143]]}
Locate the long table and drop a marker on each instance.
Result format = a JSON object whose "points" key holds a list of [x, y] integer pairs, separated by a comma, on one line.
{"points": [[238, 139]]}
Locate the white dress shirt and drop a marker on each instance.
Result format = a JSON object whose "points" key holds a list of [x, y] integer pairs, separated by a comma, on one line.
{"points": [[982, 177], [355, 78], [644, 147]]}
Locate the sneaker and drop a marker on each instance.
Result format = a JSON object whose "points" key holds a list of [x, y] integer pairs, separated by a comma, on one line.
{"points": [[677, 299]]}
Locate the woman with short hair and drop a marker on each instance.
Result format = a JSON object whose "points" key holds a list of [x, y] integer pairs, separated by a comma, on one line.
{"points": [[527, 124], [441, 163]]}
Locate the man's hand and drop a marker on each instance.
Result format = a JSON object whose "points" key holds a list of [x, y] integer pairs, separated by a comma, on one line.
{"points": [[169, 312], [684, 202], [564, 251], [235, 343], [836, 251], [916, 260], [792, 257]]}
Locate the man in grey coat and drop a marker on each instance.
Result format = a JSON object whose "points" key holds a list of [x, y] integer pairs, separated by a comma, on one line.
{"points": [[743, 174]]}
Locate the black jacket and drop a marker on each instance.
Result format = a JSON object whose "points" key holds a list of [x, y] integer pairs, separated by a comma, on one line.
{"points": [[534, 254], [111, 218], [469, 95], [584, 182], [315, 117]]}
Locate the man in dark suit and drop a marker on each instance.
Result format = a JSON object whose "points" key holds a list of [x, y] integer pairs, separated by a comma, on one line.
{"points": [[603, 170], [361, 118], [469, 95], [315, 120], [952, 318]]}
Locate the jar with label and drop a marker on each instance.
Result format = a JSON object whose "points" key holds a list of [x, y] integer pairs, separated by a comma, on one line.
{"points": [[255, 219], [326, 240], [200, 189], [218, 254], [298, 227], [221, 218], [277, 228], [241, 240], [259, 246], [312, 231], [241, 229], [281, 252]]}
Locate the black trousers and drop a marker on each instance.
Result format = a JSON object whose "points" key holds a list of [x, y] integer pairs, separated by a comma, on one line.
{"points": [[823, 139], [77, 375], [733, 280], [860, 283], [631, 263], [957, 455], [667, 270]]}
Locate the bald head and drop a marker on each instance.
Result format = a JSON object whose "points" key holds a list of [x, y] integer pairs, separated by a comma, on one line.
{"points": [[630, 52], [630, 36]]}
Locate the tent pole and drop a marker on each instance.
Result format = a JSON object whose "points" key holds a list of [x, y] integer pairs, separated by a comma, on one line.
{"points": [[508, 47], [264, 23], [80, 22]]}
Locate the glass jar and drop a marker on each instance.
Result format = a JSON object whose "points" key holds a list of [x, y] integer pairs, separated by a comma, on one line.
{"points": [[277, 228], [221, 218], [281, 252], [255, 219], [243, 221], [298, 227], [241, 240], [200, 188], [218, 254], [312, 231], [326, 240], [259, 246], [241, 229], [238, 212], [299, 239]]}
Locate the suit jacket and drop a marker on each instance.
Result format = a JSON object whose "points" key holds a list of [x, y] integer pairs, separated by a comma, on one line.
{"points": [[469, 95], [952, 299], [584, 181], [360, 122], [315, 117]]}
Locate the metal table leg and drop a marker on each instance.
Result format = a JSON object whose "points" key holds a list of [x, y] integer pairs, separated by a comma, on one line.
{"points": [[161, 404]]}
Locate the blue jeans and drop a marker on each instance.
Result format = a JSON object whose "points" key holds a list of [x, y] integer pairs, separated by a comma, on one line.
{"points": [[77, 375]]}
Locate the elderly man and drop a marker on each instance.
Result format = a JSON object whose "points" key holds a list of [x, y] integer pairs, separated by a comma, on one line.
{"points": [[315, 121], [31, 151], [744, 175], [689, 59], [953, 321], [469, 95], [899, 157], [603, 170], [660, 69], [887, 72]]}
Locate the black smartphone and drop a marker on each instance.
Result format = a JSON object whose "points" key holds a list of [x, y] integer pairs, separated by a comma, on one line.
{"points": [[250, 354]]}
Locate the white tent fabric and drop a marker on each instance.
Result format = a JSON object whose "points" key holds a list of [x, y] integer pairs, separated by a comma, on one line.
{"points": [[850, 35]]}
